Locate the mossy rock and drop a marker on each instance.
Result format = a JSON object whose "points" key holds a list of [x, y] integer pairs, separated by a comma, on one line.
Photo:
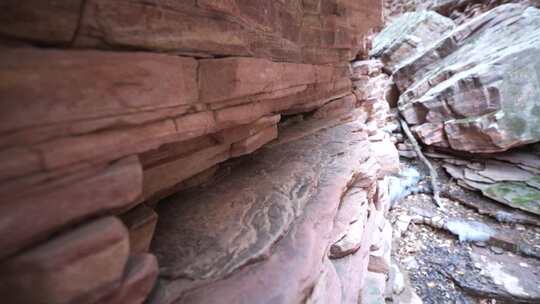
{"points": [[534, 182], [515, 194]]}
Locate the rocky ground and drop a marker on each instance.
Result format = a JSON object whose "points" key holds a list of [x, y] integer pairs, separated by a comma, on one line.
{"points": [[443, 269]]}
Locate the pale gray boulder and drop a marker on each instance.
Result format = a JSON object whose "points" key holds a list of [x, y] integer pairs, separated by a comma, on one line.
{"points": [[409, 34], [478, 88]]}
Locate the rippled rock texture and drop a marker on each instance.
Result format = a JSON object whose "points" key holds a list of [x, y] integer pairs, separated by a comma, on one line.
{"points": [[262, 233]]}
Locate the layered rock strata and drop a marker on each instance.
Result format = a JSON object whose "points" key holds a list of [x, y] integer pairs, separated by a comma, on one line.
{"points": [[314, 31], [110, 106], [475, 88], [510, 178]]}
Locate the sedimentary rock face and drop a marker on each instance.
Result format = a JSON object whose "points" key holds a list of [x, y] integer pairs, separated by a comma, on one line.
{"points": [[107, 107]]}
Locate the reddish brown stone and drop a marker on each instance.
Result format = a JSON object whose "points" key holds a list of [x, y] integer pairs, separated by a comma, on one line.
{"points": [[351, 236], [19, 161], [254, 142], [106, 146], [328, 287], [337, 108], [140, 222], [193, 125], [308, 127], [198, 179], [431, 134], [354, 206], [242, 132], [313, 98], [35, 212], [125, 23], [480, 113], [239, 77], [387, 156], [379, 260], [48, 22], [85, 85], [167, 174], [352, 269], [78, 266], [259, 97], [242, 114], [139, 279], [176, 149], [280, 30]]}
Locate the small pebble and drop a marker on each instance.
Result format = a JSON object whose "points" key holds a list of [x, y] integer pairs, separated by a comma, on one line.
{"points": [[496, 250]]}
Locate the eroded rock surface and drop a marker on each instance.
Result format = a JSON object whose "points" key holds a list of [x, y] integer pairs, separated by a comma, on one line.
{"points": [[247, 231], [408, 35], [510, 178]]}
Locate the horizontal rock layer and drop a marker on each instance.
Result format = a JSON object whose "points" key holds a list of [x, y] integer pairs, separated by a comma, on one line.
{"points": [[83, 264], [134, 109], [313, 31], [110, 106], [511, 178]]}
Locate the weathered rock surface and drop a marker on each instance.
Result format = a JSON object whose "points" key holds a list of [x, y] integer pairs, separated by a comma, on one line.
{"points": [[140, 222], [379, 260], [44, 22], [479, 84], [498, 276], [408, 35], [290, 209], [352, 269], [82, 266], [39, 206], [486, 206], [327, 288], [350, 222], [509, 182], [107, 107], [309, 31], [139, 278]]}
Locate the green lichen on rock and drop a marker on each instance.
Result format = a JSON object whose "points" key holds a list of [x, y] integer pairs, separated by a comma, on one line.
{"points": [[534, 182], [516, 194]]}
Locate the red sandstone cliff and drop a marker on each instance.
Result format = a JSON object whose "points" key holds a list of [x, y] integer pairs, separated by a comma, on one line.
{"points": [[108, 106]]}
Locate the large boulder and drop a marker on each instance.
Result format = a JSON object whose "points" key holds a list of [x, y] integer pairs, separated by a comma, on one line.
{"points": [[478, 88], [458, 10], [409, 34]]}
